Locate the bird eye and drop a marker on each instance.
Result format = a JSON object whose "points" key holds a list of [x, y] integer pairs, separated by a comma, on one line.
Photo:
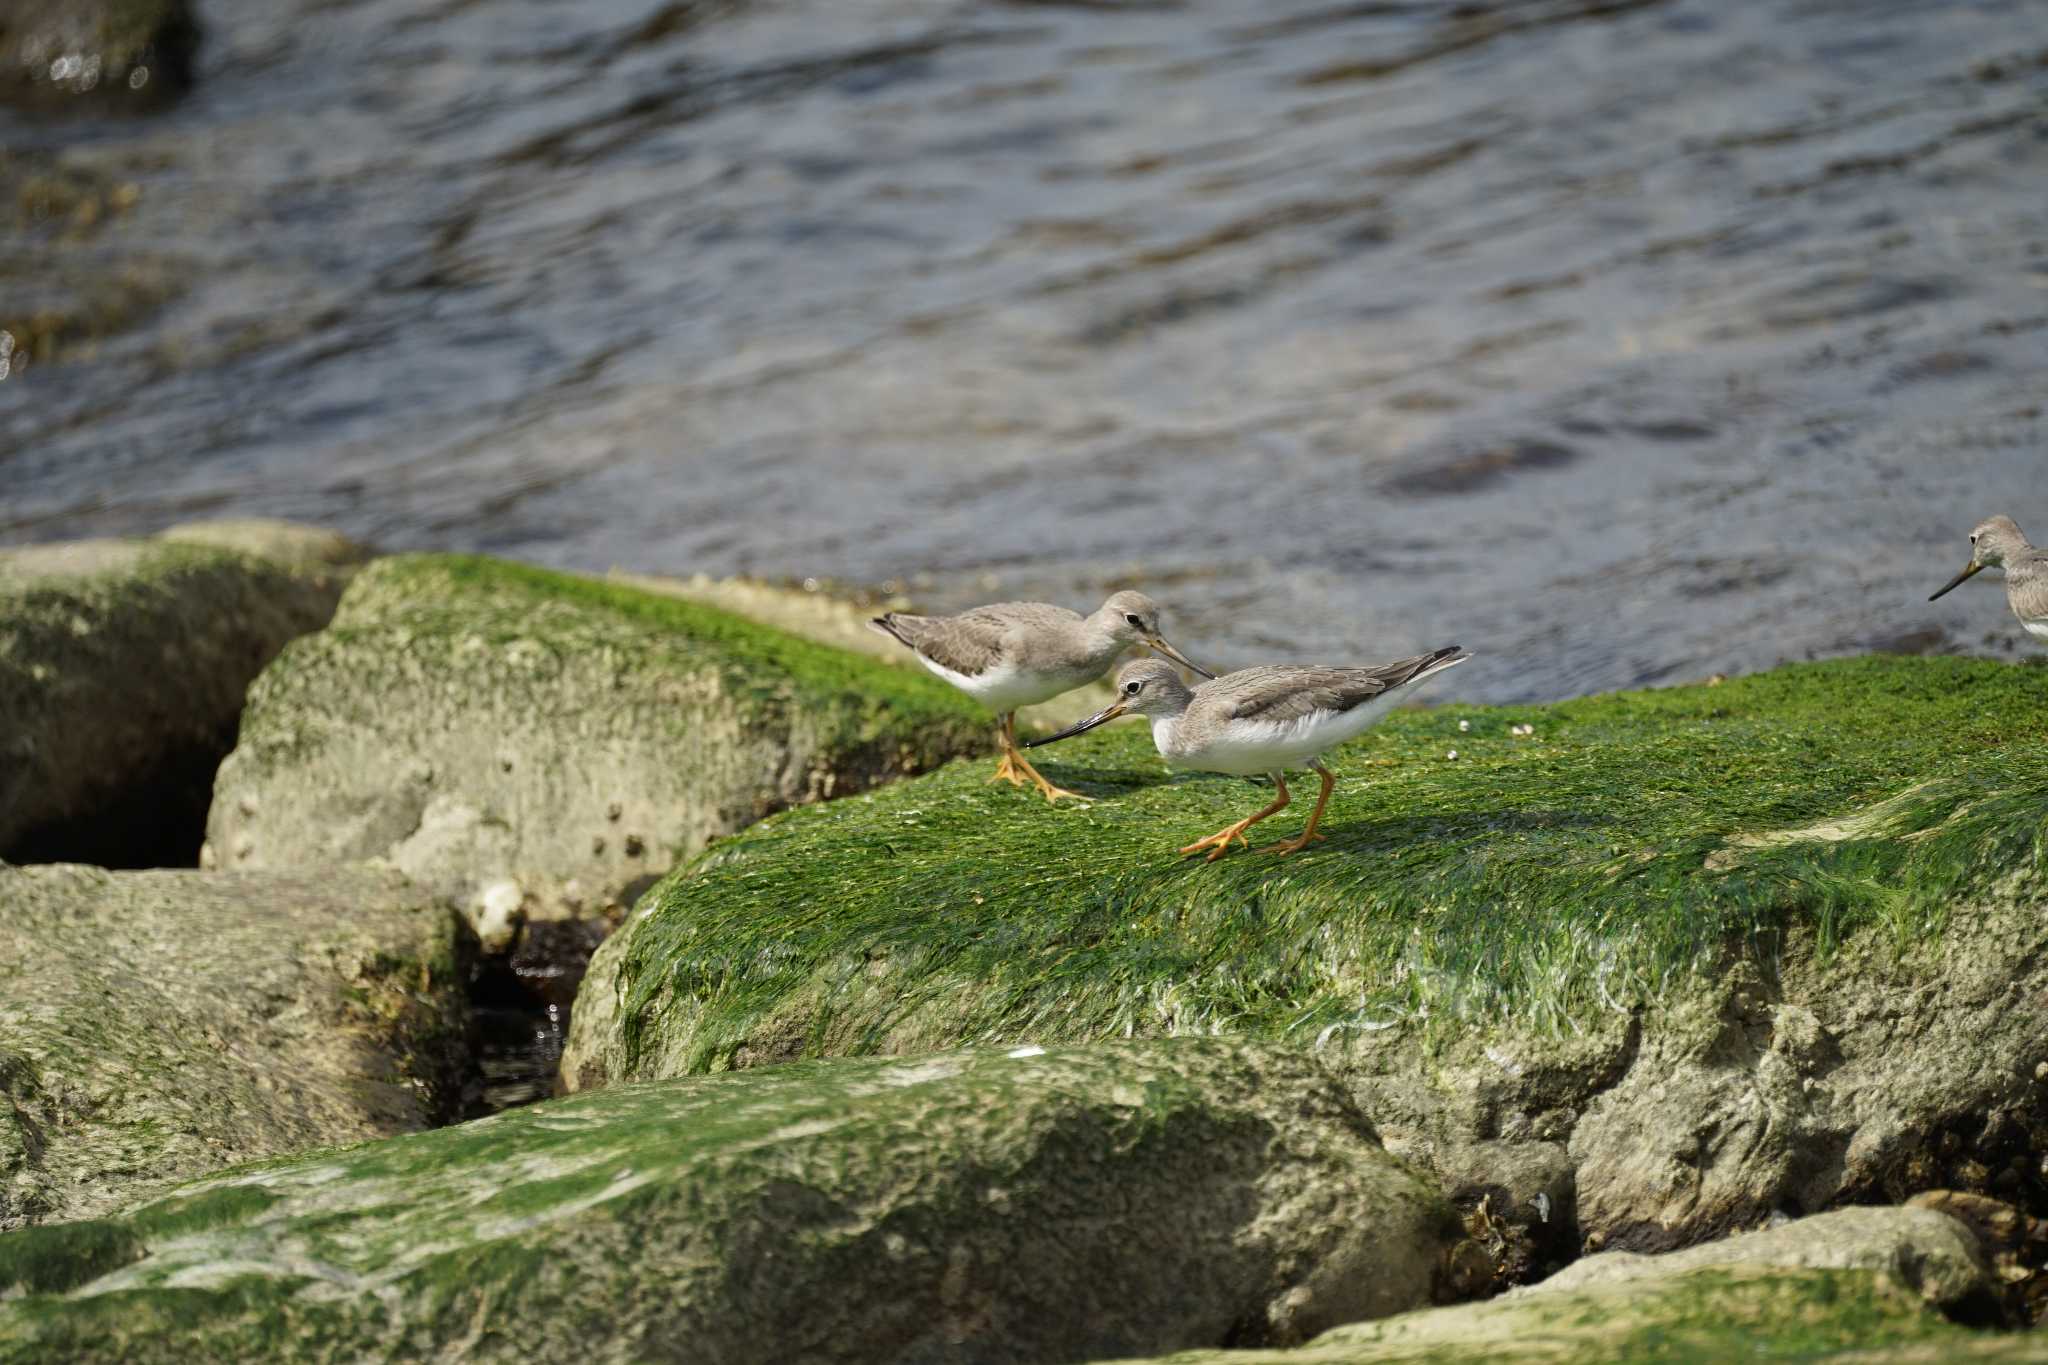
{"points": [[1973, 540], [1131, 688], [1132, 617]]}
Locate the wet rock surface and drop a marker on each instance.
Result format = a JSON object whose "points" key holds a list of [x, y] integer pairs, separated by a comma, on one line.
{"points": [[123, 666], [1080, 1203], [544, 747], [157, 1026]]}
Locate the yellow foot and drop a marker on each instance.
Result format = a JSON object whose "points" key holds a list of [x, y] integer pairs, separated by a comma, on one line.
{"points": [[1221, 841], [1288, 846], [1010, 770]]}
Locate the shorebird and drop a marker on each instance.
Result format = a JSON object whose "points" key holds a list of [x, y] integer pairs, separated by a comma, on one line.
{"points": [[1262, 720], [1014, 654], [1998, 544]]}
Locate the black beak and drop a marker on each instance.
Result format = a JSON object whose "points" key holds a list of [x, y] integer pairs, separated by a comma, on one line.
{"points": [[1158, 642], [1958, 578], [1109, 712]]}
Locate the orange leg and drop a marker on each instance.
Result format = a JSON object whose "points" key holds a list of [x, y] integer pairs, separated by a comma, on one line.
{"points": [[1219, 843], [1315, 817], [1018, 769]]}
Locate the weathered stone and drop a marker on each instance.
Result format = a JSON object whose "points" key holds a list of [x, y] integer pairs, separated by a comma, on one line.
{"points": [[155, 1026], [308, 549], [519, 738], [57, 53], [123, 666], [1854, 1279], [1058, 1206], [1928, 1252]]}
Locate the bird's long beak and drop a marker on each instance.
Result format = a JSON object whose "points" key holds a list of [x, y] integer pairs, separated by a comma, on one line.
{"points": [[1109, 712], [1974, 566], [1158, 642]]}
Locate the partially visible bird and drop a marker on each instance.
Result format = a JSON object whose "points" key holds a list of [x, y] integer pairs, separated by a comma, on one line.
{"points": [[1998, 544], [1262, 720], [1014, 654]]}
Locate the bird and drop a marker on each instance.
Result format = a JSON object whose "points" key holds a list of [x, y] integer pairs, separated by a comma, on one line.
{"points": [[1264, 719], [1013, 654], [1998, 543]]}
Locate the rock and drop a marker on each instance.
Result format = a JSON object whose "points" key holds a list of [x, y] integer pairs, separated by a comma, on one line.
{"points": [[1854, 1279], [122, 53], [307, 549], [477, 722], [1741, 1312], [1776, 944], [1520, 1203], [122, 670], [1928, 1252], [157, 1026], [1066, 1205]]}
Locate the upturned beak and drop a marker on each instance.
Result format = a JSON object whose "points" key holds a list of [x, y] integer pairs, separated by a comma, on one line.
{"points": [[1158, 642], [1109, 712], [1974, 567]]}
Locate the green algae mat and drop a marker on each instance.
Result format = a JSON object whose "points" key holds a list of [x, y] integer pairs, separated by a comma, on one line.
{"points": [[1533, 879]]}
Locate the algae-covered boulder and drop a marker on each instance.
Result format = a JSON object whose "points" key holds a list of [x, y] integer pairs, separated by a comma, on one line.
{"points": [[155, 1026], [1770, 944], [984, 1206], [1852, 1280], [510, 734], [122, 670], [55, 53]]}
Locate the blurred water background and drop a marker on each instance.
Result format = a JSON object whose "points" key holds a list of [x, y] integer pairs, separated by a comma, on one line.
{"points": [[1621, 341]]}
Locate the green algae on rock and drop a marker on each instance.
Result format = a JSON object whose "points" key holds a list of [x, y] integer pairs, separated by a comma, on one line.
{"points": [[1727, 947], [1850, 1280], [509, 733], [1114, 1199], [122, 671], [156, 1026]]}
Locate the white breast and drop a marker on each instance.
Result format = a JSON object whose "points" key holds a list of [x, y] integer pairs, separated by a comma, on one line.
{"points": [[2037, 629], [1007, 687], [1249, 747]]}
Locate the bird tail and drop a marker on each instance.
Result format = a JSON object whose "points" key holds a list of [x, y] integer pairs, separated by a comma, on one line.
{"points": [[1436, 661], [890, 624]]}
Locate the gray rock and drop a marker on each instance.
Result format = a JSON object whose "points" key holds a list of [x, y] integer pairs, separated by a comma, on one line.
{"points": [[123, 666], [60, 53], [536, 745], [308, 549], [1059, 1206], [157, 1026], [1928, 1252]]}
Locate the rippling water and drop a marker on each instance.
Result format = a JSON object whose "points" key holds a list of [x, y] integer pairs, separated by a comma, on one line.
{"points": [[1621, 341]]}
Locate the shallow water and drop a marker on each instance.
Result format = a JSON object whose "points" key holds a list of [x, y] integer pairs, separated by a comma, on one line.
{"points": [[1620, 341]]}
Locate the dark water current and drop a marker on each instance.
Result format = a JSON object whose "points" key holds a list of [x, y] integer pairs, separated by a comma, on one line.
{"points": [[1620, 341]]}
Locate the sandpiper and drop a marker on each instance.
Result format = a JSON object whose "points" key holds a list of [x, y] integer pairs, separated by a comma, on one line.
{"points": [[1013, 654], [1998, 544], [1263, 720]]}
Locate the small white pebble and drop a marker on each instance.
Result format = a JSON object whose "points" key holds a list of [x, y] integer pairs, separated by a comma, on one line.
{"points": [[1463, 726], [1452, 754], [1031, 1051]]}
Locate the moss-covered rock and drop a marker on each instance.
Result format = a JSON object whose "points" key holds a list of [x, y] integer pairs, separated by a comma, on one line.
{"points": [[1773, 943], [484, 725], [123, 666], [102, 53], [1852, 1280], [155, 1026], [1099, 1201]]}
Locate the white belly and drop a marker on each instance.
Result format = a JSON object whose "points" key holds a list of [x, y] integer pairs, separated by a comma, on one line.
{"points": [[2037, 629], [1006, 687], [1247, 748]]}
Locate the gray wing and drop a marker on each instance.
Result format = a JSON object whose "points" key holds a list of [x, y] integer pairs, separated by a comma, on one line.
{"points": [[2028, 591], [1293, 691], [976, 640]]}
